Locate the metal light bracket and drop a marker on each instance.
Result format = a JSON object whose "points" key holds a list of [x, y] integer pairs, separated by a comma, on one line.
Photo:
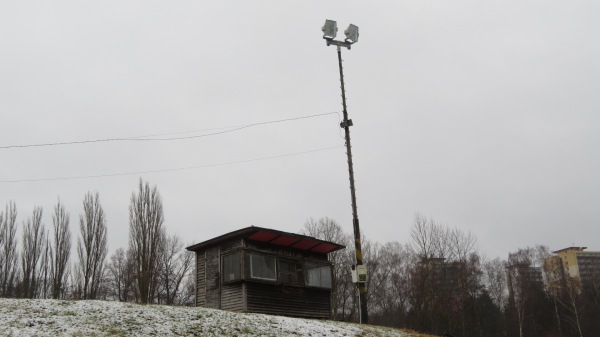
{"points": [[344, 124], [345, 44]]}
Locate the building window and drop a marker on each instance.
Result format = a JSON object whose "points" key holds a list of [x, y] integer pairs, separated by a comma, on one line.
{"points": [[231, 267], [290, 272], [318, 275], [260, 267]]}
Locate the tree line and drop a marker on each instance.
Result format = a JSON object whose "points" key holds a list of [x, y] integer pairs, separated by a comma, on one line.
{"points": [[155, 267], [436, 282], [439, 283]]}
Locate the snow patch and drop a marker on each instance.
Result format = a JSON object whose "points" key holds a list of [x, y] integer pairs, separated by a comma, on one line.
{"points": [[103, 318]]}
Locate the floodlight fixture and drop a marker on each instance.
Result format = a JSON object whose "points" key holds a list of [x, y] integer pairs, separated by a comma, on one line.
{"points": [[351, 33], [329, 29]]}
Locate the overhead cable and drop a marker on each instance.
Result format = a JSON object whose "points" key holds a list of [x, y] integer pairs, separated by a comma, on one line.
{"points": [[145, 138]]}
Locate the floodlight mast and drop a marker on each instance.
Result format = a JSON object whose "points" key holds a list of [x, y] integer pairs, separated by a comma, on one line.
{"points": [[330, 30]]}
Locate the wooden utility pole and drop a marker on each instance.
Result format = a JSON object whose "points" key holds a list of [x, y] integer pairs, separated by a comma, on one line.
{"points": [[346, 124], [330, 31]]}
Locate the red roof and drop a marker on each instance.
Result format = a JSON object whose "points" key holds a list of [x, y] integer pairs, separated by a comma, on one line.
{"points": [[273, 237]]}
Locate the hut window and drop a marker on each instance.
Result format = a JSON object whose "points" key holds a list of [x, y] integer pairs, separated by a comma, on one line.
{"points": [[290, 272], [260, 267], [231, 267], [318, 275]]}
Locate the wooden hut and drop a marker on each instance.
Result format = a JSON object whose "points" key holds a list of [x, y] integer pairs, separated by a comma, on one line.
{"points": [[262, 270]]}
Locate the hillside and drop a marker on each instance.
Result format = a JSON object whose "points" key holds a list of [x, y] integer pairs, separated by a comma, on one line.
{"points": [[102, 318]]}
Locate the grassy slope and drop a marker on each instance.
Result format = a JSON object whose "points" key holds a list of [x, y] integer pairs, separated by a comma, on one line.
{"points": [[101, 318]]}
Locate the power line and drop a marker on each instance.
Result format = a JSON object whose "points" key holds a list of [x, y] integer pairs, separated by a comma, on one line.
{"points": [[145, 138], [173, 169]]}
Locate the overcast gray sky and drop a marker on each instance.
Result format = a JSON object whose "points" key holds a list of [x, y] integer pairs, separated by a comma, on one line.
{"points": [[482, 115]]}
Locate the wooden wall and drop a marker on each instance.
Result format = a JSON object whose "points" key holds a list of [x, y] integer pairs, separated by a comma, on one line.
{"points": [[277, 300], [201, 278], [257, 297], [213, 281], [209, 292], [232, 297], [291, 253], [231, 246]]}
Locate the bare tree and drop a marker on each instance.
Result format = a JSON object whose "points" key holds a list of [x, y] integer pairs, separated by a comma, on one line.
{"points": [[8, 250], [572, 302], [46, 269], [422, 234], [33, 242], [495, 281], [430, 239], [431, 248], [91, 246], [446, 278], [462, 247], [121, 276], [146, 236], [76, 283], [343, 290], [2, 237], [61, 250], [388, 280], [175, 263], [378, 261], [188, 292], [525, 286], [462, 244]]}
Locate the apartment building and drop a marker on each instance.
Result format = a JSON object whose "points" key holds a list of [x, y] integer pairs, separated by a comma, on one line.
{"points": [[574, 262], [522, 278]]}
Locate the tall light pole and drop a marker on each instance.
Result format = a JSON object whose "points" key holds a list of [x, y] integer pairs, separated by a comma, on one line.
{"points": [[329, 33]]}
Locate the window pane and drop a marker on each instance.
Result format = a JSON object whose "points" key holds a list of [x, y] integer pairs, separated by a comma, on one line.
{"points": [[318, 275], [261, 267], [313, 276], [231, 267], [290, 272], [326, 277]]}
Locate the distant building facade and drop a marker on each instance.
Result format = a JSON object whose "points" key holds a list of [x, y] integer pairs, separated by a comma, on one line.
{"points": [[581, 266], [522, 278], [444, 275]]}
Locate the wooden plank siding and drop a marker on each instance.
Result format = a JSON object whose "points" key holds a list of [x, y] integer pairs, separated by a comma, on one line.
{"points": [[201, 278], [231, 297], [277, 300], [283, 252], [213, 281], [231, 246]]}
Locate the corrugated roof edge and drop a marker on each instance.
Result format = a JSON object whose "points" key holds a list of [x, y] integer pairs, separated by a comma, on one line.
{"points": [[248, 231]]}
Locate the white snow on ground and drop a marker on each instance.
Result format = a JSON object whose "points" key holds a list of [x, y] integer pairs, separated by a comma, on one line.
{"points": [[102, 318]]}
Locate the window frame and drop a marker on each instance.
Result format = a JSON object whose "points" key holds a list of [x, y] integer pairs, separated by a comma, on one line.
{"points": [[249, 272], [298, 273], [319, 265], [302, 269], [240, 265]]}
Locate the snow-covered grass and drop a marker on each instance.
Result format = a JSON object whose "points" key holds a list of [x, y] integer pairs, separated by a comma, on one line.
{"points": [[102, 318]]}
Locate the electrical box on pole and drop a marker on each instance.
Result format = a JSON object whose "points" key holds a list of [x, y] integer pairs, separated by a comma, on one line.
{"points": [[359, 273]]}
